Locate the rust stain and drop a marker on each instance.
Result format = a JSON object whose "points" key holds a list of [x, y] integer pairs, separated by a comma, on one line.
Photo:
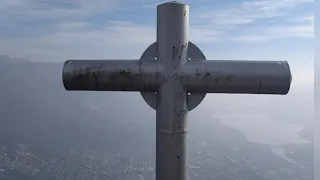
{"points": [[228, 78], [198, 72], [181, 50], [216, 80], [173, 52], [260, 86], [125, 73]]}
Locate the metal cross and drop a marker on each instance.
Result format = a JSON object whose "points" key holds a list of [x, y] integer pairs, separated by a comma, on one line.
{"points": [[173, 77]]}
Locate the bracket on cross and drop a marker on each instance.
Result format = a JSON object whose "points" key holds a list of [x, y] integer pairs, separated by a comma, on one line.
{"points": [[193, 53]]}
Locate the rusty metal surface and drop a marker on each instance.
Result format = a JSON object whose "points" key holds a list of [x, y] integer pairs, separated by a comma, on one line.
{"points": [[110, 75], [194, 99], [247, 77], [171, 111], [150, 54], [172, 76]]}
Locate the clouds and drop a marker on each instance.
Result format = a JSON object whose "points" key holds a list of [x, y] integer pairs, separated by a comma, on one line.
{"points": [[61, 29], [111, 34], [216, 23], [255, 21], [302, 27], [299, 30], [57, 9]]}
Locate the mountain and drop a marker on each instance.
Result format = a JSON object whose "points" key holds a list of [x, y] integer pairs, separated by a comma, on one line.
{"points": [[37, 109], [37, 112], [5, 59]]}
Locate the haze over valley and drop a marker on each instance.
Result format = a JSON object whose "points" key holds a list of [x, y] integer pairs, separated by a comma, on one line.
{"points": [[49, 133]]}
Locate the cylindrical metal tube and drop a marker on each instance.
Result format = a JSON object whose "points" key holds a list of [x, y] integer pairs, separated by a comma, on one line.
{"points": [[246, 77], [172, 34], [112, 75], [171, 110]]}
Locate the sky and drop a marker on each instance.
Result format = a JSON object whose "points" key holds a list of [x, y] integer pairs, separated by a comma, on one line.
{"points": [[58, 30], [54, 31]]}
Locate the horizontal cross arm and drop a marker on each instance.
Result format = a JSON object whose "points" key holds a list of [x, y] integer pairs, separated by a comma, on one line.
{"points": [[243, 77], [112, 75]]}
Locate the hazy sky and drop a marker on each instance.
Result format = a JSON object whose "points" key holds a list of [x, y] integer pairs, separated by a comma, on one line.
{"points": [[46, 30]]}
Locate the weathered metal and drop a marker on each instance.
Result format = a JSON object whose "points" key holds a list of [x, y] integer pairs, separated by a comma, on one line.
{"points": [[196, 76], [171, 112], [111, 75], [246, 77], [173, 77], [193, 52]]}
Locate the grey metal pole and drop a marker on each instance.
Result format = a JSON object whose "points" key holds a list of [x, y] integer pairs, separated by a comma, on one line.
{"points": [[240, 77], [171, 110], [111, 75]]}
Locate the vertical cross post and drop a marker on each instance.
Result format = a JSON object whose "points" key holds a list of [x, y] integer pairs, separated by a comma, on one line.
{"points": [[176, 82], [171, 111]]}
